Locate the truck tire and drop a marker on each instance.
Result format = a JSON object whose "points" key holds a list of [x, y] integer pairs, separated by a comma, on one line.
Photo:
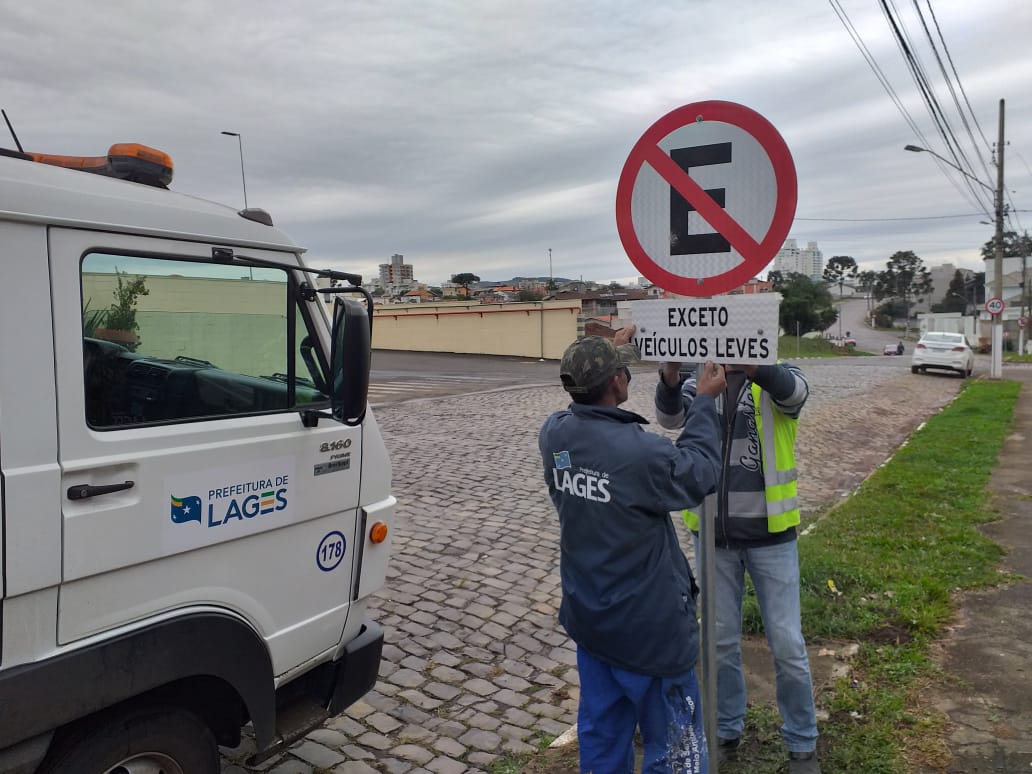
{"points": [[148, 740]]}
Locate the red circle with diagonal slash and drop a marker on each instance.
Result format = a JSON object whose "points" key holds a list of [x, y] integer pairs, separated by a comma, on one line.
{"points": [[755, 255]]}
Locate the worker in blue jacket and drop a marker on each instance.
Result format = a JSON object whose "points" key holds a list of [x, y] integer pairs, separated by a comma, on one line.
{"points": [[628, 591]]}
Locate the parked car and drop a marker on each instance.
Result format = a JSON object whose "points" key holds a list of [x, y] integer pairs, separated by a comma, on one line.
{"points": [[939, 349]]}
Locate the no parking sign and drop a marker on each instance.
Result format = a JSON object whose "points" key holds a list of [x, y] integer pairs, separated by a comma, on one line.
{"points": [[706, 198]]}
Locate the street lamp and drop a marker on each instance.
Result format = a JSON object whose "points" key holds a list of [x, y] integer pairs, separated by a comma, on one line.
{"points": [[240, 144], [996, 370]]}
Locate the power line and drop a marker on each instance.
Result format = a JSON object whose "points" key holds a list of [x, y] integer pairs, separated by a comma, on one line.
{"points": [[928, 95], [878, 73], [886, 220], [887, 86], [946, 78], [953, 67]]}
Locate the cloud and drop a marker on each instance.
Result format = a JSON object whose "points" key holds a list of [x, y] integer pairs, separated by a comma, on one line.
{"points": [[477, 136]]}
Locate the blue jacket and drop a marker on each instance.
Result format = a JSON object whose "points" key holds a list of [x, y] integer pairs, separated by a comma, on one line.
{"points": [[628, 592]]}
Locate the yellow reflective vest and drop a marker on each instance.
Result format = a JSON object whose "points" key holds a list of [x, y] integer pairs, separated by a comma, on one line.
{"points": [[777, 434]]}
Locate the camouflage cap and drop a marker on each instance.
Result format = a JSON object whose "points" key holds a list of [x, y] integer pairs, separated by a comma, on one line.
{"points": [[590, 360]]}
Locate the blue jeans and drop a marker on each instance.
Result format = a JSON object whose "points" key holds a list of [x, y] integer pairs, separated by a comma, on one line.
{"points": [[666, 709], [775, 575]]}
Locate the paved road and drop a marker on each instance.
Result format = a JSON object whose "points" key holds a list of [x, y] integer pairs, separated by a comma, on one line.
{"points": [[475, 664], [854, 320], [401, 376]]}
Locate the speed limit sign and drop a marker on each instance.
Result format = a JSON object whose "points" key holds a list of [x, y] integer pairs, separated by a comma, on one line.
{"points": [[994, 305]]}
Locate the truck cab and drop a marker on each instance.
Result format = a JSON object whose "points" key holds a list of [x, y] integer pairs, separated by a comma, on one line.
{"points": [[195, 499]]}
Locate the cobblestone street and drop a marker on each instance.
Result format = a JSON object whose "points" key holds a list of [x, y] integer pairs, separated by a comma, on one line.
{"points": [[475, 664]]}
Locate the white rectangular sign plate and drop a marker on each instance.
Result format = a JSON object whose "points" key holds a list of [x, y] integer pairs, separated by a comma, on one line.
{"points": [[725, 329]]}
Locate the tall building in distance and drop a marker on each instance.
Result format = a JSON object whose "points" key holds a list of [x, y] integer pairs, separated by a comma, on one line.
{"points": [[791, 259], [397, 274]]}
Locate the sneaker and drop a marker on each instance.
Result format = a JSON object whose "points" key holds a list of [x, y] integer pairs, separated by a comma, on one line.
{"points": [[803, 763], [727, 749]]}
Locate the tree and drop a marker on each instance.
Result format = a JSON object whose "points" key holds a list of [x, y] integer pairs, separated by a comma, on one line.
{"points": [[776, 279], [839, 269], [957, 298], [905, 277], [978, 288], [866, 280], [805, 305], [526, 294], [1013, 245], [465, 279]]}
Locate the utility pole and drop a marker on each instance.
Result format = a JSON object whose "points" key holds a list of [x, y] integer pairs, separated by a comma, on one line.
{"points": [[1024, 305], [996, 365], [996, 370], [551, 279]]}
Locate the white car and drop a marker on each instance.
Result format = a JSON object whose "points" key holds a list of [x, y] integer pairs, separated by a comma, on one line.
{"points": [[949, 351]]}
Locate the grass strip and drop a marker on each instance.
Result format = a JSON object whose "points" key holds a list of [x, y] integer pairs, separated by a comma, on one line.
{"points": [[790, 347], [879, 569]]}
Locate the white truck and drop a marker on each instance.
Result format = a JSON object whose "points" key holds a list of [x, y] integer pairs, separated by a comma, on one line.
{"points": [[195, 500]]}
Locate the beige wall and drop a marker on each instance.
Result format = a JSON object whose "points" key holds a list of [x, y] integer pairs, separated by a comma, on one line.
{"points": [[537, 330], [239, 325], [191, 294], [254, 310]]}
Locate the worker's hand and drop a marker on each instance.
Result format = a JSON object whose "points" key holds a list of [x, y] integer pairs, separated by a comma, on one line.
{"points": [[671, 374], [624, 335], [709, 379]]}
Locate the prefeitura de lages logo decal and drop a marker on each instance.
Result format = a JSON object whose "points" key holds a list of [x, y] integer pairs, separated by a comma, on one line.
{"points": [[237, 502], [588, 484]]}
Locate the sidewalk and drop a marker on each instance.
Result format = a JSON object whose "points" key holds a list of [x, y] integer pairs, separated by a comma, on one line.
{"points": [[988, 651]]}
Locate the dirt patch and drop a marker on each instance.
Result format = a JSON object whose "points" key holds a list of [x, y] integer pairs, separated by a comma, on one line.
{"points": [[554, 760], [891, 634], [829, 661]]}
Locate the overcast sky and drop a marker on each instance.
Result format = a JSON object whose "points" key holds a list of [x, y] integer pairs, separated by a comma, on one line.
{"points": [[471, 135]]}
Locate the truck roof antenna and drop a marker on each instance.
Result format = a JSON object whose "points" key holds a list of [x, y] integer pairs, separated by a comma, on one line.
{"points": [[11, 128]]}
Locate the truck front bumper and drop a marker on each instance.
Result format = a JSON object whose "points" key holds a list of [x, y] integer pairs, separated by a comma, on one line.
{"points": [[356, 668]]}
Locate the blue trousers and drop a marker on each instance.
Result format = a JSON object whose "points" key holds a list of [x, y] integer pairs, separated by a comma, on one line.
{"points": [[666, 709], [775, 575]]}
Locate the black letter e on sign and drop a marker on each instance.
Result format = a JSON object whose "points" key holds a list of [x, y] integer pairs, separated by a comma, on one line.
{"points": [[681, 242]]}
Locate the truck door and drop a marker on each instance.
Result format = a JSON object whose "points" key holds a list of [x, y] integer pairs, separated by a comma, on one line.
{"points": [[188, 478]]}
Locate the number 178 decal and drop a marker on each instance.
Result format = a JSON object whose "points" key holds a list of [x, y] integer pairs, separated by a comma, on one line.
{"points": [[330, 551]]}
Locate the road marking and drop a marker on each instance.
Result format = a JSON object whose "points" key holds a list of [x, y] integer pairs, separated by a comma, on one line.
{"points": [[396, 387]]}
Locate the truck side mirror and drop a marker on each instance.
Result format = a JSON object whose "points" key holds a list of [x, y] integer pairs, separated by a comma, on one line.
{"points": [[350, 360]]}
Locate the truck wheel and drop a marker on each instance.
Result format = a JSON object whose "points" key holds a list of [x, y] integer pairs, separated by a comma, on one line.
{"points": [[148, 740]]}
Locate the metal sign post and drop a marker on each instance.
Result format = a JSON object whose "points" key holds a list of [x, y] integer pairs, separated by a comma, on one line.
{"points": [[708, 658], [704, 202]]}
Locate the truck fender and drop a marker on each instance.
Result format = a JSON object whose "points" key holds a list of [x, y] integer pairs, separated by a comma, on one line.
{"points": [[44, 695]]}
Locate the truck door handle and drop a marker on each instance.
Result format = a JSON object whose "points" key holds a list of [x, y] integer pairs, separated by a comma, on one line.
{"points": [[82, 491]]}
